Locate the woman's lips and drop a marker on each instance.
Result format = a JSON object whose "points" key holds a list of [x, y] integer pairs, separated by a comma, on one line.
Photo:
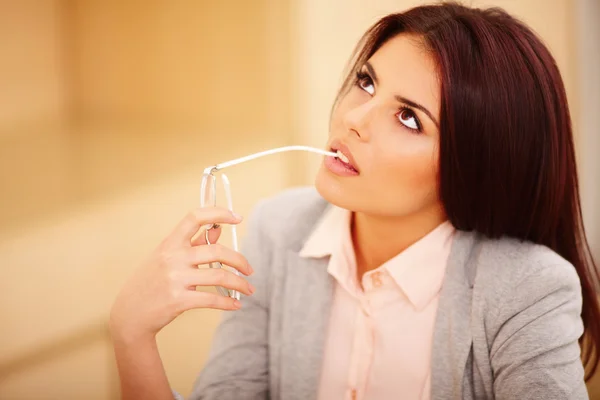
{"points": [[344, 155], [339, 167]]}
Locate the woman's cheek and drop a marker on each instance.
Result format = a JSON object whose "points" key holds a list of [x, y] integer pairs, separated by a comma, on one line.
{"points": [[409, 172]]}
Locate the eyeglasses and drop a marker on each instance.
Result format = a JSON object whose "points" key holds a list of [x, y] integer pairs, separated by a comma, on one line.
{"points": [[208, 198]]}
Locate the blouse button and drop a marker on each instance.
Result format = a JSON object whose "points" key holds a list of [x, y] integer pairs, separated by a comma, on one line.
{"points": [[376, 279]]}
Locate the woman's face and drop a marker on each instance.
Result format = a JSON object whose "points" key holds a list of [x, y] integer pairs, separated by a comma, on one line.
{"points": [[388, 123]]}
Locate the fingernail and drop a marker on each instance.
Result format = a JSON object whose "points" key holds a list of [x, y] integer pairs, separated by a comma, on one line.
{"points": [[237, 304], [236, 216], [250, 270], [251, 288]]}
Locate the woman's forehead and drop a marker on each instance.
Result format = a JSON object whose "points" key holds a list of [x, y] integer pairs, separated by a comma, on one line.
{"points": [[405, 66]]}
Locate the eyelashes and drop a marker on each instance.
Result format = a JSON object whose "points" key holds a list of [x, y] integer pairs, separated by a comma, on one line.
{"points": [[363, 81]]}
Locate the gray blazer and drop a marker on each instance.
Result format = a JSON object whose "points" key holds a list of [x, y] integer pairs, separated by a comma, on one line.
{"points": [[506, 328]]}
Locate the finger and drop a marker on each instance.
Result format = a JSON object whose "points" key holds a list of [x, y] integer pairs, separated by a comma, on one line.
{"points": [[215, 252], [193, 299], [213, 236], [217, 277], [192, 223]]}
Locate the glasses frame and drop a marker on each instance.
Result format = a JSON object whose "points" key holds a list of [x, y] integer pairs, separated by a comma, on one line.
{"points": [[209, 178]]}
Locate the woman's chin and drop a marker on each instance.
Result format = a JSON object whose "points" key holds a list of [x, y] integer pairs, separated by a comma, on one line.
{"points": [[333, 190]]}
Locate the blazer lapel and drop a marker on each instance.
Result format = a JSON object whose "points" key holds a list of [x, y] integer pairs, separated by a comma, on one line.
{"points": [[307, 295], [452, 335]]}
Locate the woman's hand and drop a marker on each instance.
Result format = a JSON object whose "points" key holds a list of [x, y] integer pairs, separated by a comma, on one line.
{"points": [[165, 285]]}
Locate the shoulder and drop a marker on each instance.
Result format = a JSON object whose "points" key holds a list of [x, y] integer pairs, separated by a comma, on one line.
{"points": [[526, 319], [513, 275], [287, 219], [510, 262]]}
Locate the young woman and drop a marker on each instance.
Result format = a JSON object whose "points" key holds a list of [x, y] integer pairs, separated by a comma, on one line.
{"points": [[442, 256]]}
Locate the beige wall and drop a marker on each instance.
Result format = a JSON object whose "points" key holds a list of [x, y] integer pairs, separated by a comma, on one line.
{"points": [[155, 92], [588, 33], [31, 63], [143, 95], [165, 60]]}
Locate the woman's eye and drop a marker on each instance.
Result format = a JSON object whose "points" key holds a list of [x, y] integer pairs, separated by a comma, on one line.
{"points": [[407, 118], [365, 83]]}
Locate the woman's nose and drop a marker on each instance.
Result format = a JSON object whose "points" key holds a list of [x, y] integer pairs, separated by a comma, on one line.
{"points": [[358, 119]]}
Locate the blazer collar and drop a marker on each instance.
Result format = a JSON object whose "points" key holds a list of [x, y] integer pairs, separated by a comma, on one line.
{"points": [[308, 287], [452, 336]]}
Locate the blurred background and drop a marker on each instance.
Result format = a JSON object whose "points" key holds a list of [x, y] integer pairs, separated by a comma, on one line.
{"points": [[111, 109]]}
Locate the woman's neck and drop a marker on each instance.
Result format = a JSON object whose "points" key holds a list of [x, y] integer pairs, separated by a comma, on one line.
{"points": [[377, 239]]}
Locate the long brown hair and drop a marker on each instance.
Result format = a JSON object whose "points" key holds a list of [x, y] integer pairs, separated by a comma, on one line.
{"points": [[507, 158]]}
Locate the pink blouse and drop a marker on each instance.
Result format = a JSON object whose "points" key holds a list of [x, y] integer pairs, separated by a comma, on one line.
{"points": [[379, 340]]}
